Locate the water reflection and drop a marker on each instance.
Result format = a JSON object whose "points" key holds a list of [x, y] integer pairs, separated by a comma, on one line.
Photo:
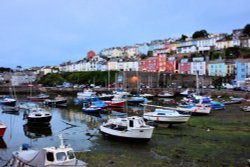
{"points": [[2, 143], [37, 131]]}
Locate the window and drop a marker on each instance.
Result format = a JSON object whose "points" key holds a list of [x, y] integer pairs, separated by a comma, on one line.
{"points": [[71, 154], [61, 156], [131, 123], [50, 156]]}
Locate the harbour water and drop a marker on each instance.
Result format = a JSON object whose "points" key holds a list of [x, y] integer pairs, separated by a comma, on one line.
{"points": [[220, 139]]}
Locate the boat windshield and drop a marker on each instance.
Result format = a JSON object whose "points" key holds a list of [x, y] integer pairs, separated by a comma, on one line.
{"points": [[61, 156]]}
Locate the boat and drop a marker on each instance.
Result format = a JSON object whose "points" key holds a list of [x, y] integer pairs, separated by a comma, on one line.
{"points": [[194, 108], [27, 105], [133, 127], [245, 108], [217, 105], [47, 157], [8, 101], [117, 101], [165, 94], [147, 95], [137, 99], [166, 116], [57, 101], [186, 92], [3, 128], [232, 102], [90, 108], [2, 143], [105, 96], [40, 97], [37, 115], [86, 94]]}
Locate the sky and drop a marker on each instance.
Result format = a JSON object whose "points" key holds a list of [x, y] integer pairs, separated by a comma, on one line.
{"points": [[50, 32]]}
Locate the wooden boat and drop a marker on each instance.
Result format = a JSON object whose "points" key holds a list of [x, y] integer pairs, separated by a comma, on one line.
{"points": [[37, 115], [57, 101], [166, 116], [2, 129], [41, 97], [130, 128], [47, 157]]}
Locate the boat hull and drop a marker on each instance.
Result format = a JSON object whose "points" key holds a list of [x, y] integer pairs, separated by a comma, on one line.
{"points": [[167, 119], [133, 134], [2, 130], [115, 104], [39, 119], [56, 102], [6, 103]]}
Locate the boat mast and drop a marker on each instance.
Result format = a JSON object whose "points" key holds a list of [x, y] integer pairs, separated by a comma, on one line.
{"points": [[197, 83]]}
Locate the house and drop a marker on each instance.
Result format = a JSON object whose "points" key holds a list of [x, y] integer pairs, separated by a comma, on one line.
{"points": [[171, 65], [217, 68], [186, 49], [198, 64], [241, 72], [152, 64], [143, 65], [162, 59], [19, 78], [223, 43], [184, 66], [237, 33]]}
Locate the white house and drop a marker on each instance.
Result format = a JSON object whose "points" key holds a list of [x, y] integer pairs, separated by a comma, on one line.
{"points": [[186, 49], [22, 78], [198, 64]]}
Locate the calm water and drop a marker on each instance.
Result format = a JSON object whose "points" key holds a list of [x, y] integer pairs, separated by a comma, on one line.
{"points": [[71, 122]]}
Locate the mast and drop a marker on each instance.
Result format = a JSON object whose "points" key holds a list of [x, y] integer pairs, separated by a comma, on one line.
{"points": [[197, 83]]}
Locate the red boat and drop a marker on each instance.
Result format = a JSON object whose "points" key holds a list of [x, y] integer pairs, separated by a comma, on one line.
{"points": [[115, 103], [2, 129]]}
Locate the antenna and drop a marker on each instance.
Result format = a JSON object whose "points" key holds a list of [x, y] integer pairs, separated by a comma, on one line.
{"points": [[62, 142]]}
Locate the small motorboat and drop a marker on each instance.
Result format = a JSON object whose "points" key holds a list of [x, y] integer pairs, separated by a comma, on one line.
{"points": [[8, 101], [90, 108], [147, 95], [245, 108], [117, 101], [2, 129], [130, 128], [166, 116], [37, 115], [40, 97], [86, 94], [57, 101], [47, 157], [105, 96], [195, 108]]}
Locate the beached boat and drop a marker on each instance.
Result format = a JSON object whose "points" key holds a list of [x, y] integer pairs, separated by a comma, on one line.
{"points": [[130, 128], [47, 157], [57, 101], [245, 108], [217, 105], [2, 129], [195, 108], [166, 116], [37, 115]]}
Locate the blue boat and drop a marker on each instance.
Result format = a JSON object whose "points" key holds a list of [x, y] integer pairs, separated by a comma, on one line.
{"points": [[217, 105], [90, 108], [137, 99]]}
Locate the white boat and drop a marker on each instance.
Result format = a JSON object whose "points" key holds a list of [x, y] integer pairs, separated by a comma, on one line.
{"points": [[185, 92], [37, 115], [130, 128], [47, 157], [195, 108], [86, 94], [166, 116], [165, 94], [147, 95], [245, 108]]}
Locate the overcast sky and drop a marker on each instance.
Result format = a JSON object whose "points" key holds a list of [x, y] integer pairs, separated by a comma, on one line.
{"points": [[49, 32]]}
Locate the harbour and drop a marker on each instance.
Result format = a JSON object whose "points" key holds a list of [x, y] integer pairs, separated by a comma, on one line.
{"points": [[222, 133]]}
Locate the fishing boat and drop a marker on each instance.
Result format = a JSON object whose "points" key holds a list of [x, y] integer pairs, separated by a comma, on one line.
{"points": [[40, 97], [2, 129], [47, 157], [8, 101], [57, 101], [37, 115], [166, 116], [133, 128]]}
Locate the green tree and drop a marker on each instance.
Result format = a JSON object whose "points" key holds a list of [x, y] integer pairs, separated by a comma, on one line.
{"points": [[246, 30], [183, 37], [200, 34]]}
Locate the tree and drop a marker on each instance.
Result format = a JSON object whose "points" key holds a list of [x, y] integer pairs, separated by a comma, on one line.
{"points": [[246, 30], [183, 37], [200, 34]]}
